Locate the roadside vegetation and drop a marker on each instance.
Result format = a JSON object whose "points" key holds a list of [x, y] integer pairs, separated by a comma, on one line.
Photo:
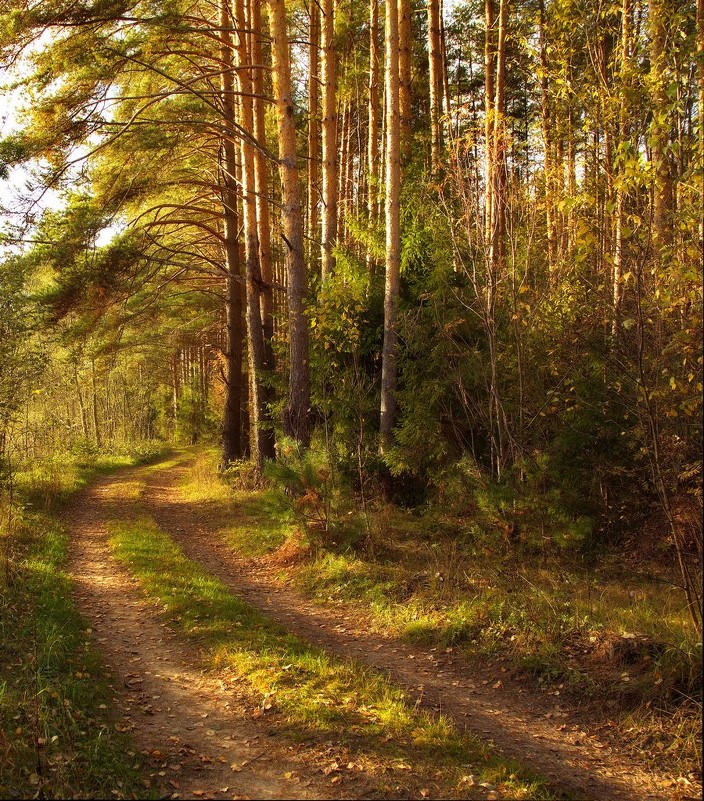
{"points": [[606, 631], [308, 695], [57, 733]]}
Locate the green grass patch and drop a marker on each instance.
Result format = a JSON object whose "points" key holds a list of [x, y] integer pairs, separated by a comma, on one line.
{"points": [[253, 520], [316, 695], [437, 581], [57, 736], [57, 731]]}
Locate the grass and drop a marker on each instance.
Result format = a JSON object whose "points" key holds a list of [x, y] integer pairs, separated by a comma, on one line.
{"points": [[57, 731], [316, 696], [253, 523], [446, 581]]}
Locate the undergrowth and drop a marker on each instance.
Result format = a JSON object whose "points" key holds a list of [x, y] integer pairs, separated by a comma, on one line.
{"points": [[315, 694], [57, 734], [577, 621]]}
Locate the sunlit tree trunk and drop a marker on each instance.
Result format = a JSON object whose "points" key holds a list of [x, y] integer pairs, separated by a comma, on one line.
{"points": [[435, 63], [619, 206], [313, 129], [261, 436], [330, 154], [297, 416], [659, 14], [261, 181], [548, 133], [373, 117], [389, 370], [232, 433], [405, 40], [489, 72]]}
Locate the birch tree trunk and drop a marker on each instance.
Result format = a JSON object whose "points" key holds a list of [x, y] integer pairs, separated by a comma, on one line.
{"points": [[435, 63], [658, 13]]}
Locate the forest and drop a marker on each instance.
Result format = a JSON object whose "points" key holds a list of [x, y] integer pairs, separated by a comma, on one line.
{"points": [[351, 398]]}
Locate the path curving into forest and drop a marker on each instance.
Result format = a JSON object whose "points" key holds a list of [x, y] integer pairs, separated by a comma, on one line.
{"points": [[536, 729], [193, 727], [196, 730]]}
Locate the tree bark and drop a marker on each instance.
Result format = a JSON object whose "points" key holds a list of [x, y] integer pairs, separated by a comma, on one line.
{"points": [[297, 417], [373, 117], [489, 68], [389, 369], [548, 146], [659, 12], [405, 43], [262, 435], [435, 63], [231, 431], [330, 173], [313, 129], [261, 182]]}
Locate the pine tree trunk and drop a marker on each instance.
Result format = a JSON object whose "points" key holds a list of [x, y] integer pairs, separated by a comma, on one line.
{"points": [[261, 182], [231, 432], [405, 41], [330, 155], [297, 418], [389, 369], [548, 132], [262, 435], [313, 129], [373, 117], [489, 74]]}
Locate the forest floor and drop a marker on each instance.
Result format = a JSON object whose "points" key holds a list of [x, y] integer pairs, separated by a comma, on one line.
{"points": [[204, 733]]}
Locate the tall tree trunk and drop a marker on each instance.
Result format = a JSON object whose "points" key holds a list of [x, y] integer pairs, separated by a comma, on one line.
{"points": [[499, 146], [343, 156], [313, 129], [297, 418], [489, 76], [389, 369], [94, 406], [659, 13], [262, 435], [445, 76], [405, 44], [261, 182], [231, 430], [435, 62], [700, 81], [619, 207], [548, 132], [330, 154], [373, 117]]}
